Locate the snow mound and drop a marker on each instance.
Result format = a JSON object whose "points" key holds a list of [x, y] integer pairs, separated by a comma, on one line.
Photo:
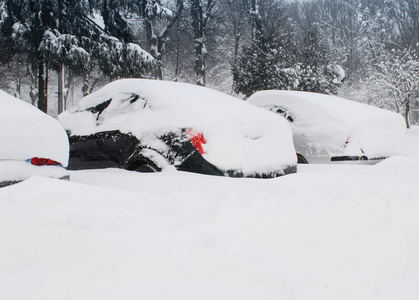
{"points": [[399, 162], [119, 235]]}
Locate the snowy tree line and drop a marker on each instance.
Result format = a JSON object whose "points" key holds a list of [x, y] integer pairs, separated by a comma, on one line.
{"points": [[365, 50]]}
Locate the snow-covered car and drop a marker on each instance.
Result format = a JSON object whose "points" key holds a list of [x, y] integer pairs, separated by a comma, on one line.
{"points": [[150, 125], [332, 129], [31, 142]]}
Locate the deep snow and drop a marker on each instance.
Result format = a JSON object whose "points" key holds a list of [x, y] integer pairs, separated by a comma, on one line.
{"points": [[327, 232]]}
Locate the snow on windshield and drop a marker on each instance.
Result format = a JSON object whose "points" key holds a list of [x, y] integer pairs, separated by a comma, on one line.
{"points": [[27, 132]]}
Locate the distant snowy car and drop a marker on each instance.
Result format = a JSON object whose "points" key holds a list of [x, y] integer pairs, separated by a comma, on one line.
{"points": [[31, 142], [150, 125], [332, 129]]}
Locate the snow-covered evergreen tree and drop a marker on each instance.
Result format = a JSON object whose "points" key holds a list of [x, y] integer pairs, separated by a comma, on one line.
{"points": [[115, 24], [122, 60], [58, 35], [29, 21], [274, 60], [264, 65]]}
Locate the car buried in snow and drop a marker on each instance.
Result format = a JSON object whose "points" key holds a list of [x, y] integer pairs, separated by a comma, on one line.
{"points": [[31, 143], [330, 129], [153, 125]]}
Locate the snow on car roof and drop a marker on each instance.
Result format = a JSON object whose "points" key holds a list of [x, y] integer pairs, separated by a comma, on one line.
{"points": [[331, 109], [178, 104], [327, 122], [27, 132], [140, 106]]}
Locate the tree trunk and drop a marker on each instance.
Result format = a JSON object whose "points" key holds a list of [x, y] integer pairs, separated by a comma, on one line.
{"points": [[407, 112], [156, 37], [72, 80], [42, 93], [85, 88], [198, 27], [88, 87], [156, 52], [19, 78], [61, 103], [33, 89], [46, 84], [178, 68], [258, 33], [237, 36], [156, 48], [200, 63]]}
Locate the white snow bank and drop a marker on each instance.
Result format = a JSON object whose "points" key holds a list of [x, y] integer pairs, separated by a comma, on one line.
{"points": [[327, 123], [27, 132], [320, 235], [238, 135]]}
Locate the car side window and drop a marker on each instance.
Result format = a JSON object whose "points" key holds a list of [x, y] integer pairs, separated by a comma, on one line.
{"points": [[123, 104], [136, 98], [283, 112], [99, 108]]}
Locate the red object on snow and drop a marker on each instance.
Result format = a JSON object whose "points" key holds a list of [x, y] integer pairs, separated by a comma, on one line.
{"points": [[37, 161], [197, 138]]}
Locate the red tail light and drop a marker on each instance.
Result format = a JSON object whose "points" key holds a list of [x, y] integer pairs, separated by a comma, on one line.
{"points": [[346, 143], [197, 138], [37, 161]]}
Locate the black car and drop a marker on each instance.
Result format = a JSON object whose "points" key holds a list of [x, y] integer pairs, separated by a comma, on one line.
{"points": [[149, 125], [113, 149]]}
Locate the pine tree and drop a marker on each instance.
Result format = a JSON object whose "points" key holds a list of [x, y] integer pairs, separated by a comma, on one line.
{"points": [[275, 61], [58, 35], [264, 65], [31, 19], [115, 25]]}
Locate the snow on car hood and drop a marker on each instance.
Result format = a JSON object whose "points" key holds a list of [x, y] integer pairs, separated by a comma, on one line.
{"points": [[338, 126], [27, 132], [238, 135]]}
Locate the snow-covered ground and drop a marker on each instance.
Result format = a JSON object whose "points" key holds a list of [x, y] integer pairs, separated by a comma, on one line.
{"points": [[327, 232]]}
